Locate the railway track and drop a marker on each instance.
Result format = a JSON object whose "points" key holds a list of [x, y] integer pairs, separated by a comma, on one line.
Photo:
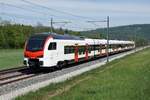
{"points": [[21, 73], [15, 74], [12, 70]]}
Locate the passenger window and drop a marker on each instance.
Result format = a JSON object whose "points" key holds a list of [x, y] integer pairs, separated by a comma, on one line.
{"points": [[69, 49], [52, 46]]}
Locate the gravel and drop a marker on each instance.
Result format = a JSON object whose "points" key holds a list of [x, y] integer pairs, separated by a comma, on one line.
{"points": [[12, 90]]}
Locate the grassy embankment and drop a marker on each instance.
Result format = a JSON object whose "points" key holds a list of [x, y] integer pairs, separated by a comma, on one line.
{"points": [[10, 58], [123, 79]]}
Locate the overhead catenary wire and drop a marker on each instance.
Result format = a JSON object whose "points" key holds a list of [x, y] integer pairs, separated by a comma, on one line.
{"points": [[54, 22], [28, 9], [48, 14], [23, 19], [59, 11], [22, 16], [25, 16]]}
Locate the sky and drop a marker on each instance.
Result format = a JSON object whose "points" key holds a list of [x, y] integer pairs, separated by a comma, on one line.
{"points": [[77, 12]]}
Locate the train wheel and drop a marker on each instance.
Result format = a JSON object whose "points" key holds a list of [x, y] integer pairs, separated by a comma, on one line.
{"points": [[60, 65], [65, 63]]}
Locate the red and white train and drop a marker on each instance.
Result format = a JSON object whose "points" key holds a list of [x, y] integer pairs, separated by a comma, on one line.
{"points": [[48, 50]]}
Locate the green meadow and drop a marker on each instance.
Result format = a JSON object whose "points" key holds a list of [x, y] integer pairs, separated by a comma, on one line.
{"points": [[10, 58], [127, 78]]}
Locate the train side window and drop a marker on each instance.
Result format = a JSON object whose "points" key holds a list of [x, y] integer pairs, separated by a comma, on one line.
{"points": [[52, 46], [69, 49]]}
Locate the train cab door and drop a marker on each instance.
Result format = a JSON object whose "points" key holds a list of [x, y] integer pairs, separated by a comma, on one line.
{"points": [[76, 59], [52, 52]]}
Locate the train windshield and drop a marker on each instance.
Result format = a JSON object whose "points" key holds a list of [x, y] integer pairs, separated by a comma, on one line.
{"points": [[35, 44]]}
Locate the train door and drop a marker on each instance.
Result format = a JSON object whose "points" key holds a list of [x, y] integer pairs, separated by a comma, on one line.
{"points": [[100, 49], [51, 54], [76, 53], [86, 52]]}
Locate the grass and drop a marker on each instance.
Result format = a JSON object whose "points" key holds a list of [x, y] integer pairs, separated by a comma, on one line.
{"points": [[10, 58], [123, 79]]}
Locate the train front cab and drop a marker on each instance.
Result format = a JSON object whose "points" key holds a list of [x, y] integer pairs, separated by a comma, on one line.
{"points": [[38, 50]]}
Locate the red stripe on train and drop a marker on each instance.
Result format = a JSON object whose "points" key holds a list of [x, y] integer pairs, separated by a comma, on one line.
{"points": [[34, 55], [76, 54], [86, 52]]}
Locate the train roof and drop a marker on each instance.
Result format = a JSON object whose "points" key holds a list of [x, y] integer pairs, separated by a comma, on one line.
{"points": [[104, 41], [71, 37], [57, 36]]}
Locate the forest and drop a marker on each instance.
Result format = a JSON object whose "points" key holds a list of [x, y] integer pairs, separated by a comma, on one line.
{"points": [[15, 35], [137, 32]]}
